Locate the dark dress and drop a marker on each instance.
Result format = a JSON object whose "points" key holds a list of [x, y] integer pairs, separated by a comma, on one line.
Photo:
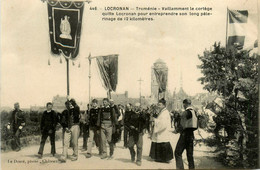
{"points": [[161, 152]]}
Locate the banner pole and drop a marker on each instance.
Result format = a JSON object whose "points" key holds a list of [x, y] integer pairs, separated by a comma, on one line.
{"points": [[109, 94], [68, 83], [89, 76], [258, 47]]}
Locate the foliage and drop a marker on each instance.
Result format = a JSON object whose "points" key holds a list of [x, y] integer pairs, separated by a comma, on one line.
{"points": [[233, 74]]}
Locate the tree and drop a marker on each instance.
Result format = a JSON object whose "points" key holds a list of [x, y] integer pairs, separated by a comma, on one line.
{"points": [[233, 74]]}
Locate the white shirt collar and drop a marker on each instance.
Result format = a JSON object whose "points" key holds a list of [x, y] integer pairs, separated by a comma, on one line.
{"points": [[189, 107]]}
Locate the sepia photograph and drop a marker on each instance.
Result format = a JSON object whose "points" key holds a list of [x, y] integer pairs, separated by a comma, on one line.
{"points": [[129, 84]]}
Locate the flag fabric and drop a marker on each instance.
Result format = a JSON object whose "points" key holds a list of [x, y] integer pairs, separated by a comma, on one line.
{"points": [[238, 16], [162, 78], [108, 70], [65, 20], [242, 29]]}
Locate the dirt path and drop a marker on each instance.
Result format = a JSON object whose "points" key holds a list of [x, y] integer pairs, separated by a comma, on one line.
{"points": [[26, 159]]}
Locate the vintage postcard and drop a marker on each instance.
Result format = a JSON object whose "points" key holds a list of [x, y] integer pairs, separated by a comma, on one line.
{"points": [[129, 84]]}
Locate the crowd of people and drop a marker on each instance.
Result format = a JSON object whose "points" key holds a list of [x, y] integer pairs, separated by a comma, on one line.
{"points": [[102, 125]]}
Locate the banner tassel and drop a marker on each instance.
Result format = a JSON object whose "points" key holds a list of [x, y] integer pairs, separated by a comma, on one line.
{"points": [[60, 60], [73, 63], [49, 63], [79, 65]]}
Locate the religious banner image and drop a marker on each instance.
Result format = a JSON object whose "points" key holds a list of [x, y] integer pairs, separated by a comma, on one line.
{"points": [[65, 22]]}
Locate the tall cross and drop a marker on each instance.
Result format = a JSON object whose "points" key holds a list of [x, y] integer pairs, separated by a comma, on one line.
{"points": [[140, 82]]}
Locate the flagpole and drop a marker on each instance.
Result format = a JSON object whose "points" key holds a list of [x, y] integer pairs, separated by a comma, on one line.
{"points": [[224, 93], [227, 29]]}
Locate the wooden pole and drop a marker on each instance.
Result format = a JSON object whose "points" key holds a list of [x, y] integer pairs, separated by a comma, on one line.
{"points": [[258, 43], [68, 81], [109, 94], [89, 77]]}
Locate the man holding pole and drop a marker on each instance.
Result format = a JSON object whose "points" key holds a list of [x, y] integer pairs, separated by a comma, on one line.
{"points": [[72, 131]]}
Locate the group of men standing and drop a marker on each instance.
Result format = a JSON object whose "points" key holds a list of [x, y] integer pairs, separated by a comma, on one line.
{"points": [[105, 125], [69, 120]]}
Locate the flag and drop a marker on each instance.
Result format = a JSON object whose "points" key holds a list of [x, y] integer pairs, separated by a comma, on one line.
{"points": [[65, 20], [161, 77], [242, 29], [108, 70]]}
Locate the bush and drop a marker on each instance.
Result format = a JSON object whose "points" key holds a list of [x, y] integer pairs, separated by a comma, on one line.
{"points": [[233, 74]]}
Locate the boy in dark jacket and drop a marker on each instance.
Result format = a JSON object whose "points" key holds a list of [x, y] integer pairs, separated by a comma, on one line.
{"points": [[48, 127]]}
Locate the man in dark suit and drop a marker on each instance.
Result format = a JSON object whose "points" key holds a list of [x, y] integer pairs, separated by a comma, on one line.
{"points": [[17, 122], [48, 127], [136, 126], [127, 115], [94, 130]]}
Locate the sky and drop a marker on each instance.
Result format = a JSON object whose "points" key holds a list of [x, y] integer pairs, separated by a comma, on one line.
{"points": [[27, 78]]}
